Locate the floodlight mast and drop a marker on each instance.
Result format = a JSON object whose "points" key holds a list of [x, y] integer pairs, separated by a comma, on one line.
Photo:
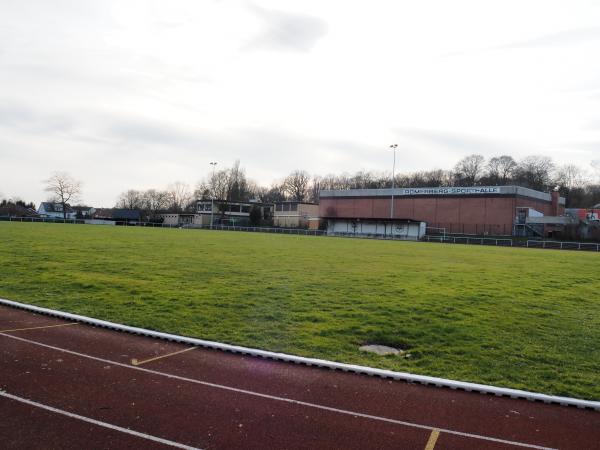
{"points": [[393, 147], [212, 197]]}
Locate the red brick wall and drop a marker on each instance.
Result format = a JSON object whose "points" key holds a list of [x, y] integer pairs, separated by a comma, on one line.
{"points": [[473, 215]]}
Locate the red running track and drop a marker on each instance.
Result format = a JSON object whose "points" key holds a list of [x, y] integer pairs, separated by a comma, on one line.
{"points": [[65, 385]]}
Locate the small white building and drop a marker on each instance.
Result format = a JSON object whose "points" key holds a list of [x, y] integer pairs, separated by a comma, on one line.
{"points": [[382, 228], [55, 211]]}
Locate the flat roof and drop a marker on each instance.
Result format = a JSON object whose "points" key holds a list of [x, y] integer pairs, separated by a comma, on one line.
{"points": [[441, 192], [374, 219]]}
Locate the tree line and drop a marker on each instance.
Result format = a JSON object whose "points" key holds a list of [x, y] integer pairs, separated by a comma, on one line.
{"points": [[232, 185]]}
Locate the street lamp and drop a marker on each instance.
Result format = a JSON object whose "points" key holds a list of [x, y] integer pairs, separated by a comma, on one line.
{"points": [[393, 147], [212, 197]]}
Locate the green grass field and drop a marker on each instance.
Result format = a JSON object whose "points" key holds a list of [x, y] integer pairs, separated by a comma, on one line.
{"points": [[519, 318]]}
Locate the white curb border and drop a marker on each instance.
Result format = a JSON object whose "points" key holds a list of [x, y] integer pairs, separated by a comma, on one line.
{"points": [[404, 376]]}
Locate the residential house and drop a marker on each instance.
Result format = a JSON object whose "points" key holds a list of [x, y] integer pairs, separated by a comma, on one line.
{"points": [[51, 210]]}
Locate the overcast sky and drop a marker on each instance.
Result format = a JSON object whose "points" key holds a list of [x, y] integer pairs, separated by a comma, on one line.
{"points": [[138, 94]]}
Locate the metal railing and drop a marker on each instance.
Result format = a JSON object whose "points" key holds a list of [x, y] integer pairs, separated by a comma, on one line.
{"points": [[40, 219], [584, 246], [505, 242], [445, 239], [296, 231], [189, 226], [470, 240], [86, 222]]}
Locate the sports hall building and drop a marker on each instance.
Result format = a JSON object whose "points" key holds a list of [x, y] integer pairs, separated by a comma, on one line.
{"points": [[482, 210]]}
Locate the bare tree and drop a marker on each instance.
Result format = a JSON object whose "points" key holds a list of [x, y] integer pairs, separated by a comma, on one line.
{"points": [[296, 185], [228, 185], [535, 172], [179, 196], [130, 199], [436, 177], [64, 189], [238, 184], [469, 169], [154, 201], [315, 189], [570, 177], [501, 169], [596, 165], [273, 194]]}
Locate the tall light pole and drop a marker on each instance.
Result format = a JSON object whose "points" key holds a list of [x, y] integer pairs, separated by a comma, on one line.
{"points": [[212, 197], [393, 147]]}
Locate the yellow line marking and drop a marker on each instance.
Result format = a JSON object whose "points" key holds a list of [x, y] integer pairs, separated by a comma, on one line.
{"points": [[135, 362], [39, 328], [435, 434]]}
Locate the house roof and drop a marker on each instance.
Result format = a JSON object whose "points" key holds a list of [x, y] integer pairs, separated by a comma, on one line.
{"points": [[103, 213], [17, 211], [232, 202], [294, 201], [125, 214], [51, 207], [374, 219]]}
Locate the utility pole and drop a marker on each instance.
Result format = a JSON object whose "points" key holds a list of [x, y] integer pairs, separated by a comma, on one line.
{"points": [[212, 197]]}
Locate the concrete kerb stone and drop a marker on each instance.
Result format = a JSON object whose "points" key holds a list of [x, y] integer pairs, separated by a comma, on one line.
{"points": [[403, 376]]}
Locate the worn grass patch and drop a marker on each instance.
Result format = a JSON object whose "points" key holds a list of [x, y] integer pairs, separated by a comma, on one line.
{"points": [[518, 318]]}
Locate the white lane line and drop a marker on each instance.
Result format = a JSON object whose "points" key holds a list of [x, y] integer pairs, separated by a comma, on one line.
{"points": [[283, 357], [137, 362], [40, 328], [96, 422], [281, 399]]}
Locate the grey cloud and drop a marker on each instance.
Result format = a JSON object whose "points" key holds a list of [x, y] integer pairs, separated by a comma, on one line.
{"points": [[566, 37], [142, 131], [20, 116], [593, 125], [560, 38], [457, 143], [287, 31], [590, 147], [259, 149]]}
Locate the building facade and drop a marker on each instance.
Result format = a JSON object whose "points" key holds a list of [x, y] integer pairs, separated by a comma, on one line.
{"points": [[295, 214], [482, 210], [180, 219], [394, 229], [222, 212]]}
